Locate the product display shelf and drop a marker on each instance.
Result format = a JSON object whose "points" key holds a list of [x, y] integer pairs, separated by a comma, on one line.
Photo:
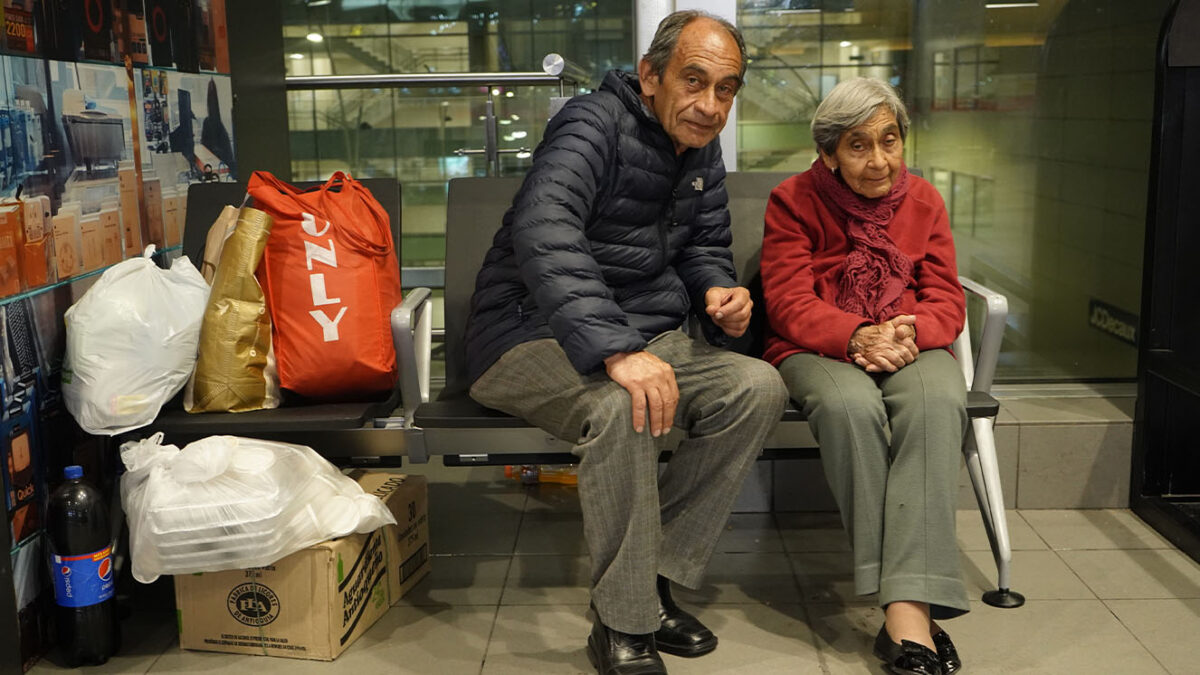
{"points": [[78, 277]]}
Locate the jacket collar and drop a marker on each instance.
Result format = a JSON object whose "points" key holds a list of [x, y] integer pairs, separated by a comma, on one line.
{"points": [[629, 91]]}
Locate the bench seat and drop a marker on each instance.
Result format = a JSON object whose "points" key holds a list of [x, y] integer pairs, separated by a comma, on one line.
{"points": [[462, 412]]}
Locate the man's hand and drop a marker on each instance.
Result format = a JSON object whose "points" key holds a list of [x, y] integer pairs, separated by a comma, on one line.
{"points": [[887, 347], [729, 308], [650, 382]]}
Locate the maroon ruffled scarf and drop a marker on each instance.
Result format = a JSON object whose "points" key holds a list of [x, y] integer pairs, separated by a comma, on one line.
{"points": [[875, 272]]}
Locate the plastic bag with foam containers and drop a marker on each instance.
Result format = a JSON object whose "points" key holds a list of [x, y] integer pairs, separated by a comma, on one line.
{"points": [[225, 502]]}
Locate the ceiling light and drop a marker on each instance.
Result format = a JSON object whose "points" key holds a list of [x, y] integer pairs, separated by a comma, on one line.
{"points": [[508, 94], [844, 43], [1009, 5], [520, 134], [496, 91], [524, 155], [315, 37], [296, 56]]}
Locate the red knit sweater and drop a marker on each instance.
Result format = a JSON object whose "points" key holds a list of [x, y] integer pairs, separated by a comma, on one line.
{"points": [[803, 248]]}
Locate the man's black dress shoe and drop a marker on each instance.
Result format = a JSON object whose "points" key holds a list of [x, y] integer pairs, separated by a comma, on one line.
{"points": [[906, 658], [615, 653], [947, 653], [680, 633]]}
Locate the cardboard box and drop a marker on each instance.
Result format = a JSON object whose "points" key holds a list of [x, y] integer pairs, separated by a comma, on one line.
{"points": [[153, 198], [171, 224], [93, 245], [314, 603], [68, 257], [37, 256], [110, 234], [10, 248]]}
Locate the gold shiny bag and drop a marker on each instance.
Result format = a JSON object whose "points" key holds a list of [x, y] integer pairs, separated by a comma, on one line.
{"points": [[235, 368]]}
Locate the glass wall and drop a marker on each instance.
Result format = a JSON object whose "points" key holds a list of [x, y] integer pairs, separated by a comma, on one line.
{"points": [[412, 133], [1033, 121], [1031, 118]]}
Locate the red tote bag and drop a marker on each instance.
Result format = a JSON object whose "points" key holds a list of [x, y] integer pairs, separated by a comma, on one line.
{"points": [[331, 280]]}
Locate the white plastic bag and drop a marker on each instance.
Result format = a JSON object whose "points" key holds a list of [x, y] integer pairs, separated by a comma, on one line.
{"points": [[131, 343], [225, 502]]}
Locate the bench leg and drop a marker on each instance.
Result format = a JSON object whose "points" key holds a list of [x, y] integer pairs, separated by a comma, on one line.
{"points": [[980, 454]]}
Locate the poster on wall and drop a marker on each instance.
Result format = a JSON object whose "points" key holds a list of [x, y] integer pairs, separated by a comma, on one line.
{"points": [[187, 135], [18, 27]]}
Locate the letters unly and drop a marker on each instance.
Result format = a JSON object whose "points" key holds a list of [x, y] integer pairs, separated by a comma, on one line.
{"points": [[315, 252]]}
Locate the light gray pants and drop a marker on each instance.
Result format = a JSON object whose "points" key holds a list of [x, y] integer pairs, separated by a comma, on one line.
{"points": [[897, 497], [637, 524]]}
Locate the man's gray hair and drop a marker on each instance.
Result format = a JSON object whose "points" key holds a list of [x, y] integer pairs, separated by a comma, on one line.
{"points": [[851, 103], [667, 36]]}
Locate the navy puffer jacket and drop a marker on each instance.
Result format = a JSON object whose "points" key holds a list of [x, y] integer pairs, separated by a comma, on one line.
{"points": [[610, 241]]}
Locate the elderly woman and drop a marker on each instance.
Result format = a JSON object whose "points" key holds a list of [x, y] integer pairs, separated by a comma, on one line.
{"points": [[863, 300]]}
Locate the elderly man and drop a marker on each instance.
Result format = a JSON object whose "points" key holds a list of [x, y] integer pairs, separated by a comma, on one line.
{"points": [[620, 229]]}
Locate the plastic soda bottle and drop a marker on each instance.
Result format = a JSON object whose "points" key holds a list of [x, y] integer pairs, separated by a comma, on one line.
{"points": [[82, 569]]}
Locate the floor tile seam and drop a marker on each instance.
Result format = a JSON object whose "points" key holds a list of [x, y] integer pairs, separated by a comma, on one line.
{"points": [[1168, 547], [1077, 575], [1028, 524], [508, 569], [790, 563], [814, 640], [487, 647], [1134, 635]]}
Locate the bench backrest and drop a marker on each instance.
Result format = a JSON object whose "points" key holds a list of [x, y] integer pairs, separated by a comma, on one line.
{"points": [[476, 206], [474, 210]]}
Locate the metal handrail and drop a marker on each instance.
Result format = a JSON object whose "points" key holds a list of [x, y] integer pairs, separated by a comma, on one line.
{"points": [[380, 80], [555, 70]]}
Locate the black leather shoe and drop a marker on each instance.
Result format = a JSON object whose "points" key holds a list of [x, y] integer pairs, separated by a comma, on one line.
{"points": [[947, 653], [680, 633], [615, 653], [906, 658]]}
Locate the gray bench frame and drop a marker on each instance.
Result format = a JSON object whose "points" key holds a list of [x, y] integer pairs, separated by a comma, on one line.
{"points": [[464, 433]]}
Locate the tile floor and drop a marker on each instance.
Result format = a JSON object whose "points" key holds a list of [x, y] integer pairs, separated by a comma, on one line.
{"points": [[508, 594]]}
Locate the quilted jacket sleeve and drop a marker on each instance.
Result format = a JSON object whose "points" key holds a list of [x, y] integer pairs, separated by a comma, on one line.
{"points": [[706, 261], [552, 252]]}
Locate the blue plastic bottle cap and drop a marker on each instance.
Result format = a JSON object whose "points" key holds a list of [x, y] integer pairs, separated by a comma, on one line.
{"points": [[73, 471]]}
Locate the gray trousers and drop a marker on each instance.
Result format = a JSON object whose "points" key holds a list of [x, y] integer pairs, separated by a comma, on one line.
{"points": [[638, 524], [897, 496]]}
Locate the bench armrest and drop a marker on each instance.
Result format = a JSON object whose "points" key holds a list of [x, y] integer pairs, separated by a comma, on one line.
{"points": [[412, 331], [979, 368]]}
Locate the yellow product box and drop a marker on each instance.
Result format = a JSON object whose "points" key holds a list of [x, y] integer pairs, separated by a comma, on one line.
{"points": [[314, 603]]}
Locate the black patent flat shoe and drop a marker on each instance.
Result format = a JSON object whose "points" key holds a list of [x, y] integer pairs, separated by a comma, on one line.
{"points": [[680, 633], [906, 658], [947, 653], [612, 652]]}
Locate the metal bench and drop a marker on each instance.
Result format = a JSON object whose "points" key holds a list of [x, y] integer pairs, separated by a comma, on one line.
{"points": [[464, 433], [336, 430]]}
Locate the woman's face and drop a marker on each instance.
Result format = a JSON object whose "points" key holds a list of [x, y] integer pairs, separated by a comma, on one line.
{"points": [[870, 155]]}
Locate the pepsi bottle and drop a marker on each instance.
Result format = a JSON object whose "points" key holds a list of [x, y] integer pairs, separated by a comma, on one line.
{"points": [[82, 569]]}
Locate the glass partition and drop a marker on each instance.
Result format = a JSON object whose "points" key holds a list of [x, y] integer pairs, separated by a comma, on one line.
{"points": [[1033, 121], [416, 133]]}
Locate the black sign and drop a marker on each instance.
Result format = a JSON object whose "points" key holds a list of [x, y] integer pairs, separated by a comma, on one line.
{"points": [[1113, 320]]}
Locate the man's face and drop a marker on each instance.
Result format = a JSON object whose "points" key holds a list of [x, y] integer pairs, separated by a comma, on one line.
{"points": [[693, 97]]}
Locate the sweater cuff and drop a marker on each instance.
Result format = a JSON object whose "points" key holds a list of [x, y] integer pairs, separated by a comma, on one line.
{"points": [[838, 336]]}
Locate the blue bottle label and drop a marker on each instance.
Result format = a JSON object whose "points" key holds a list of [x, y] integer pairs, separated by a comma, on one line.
{"points": [[83, 580]]}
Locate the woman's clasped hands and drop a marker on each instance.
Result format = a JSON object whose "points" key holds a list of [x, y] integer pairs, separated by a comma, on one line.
{"points": [[885, 347]]}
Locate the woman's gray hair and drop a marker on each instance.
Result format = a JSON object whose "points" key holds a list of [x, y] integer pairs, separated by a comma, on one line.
{"points": [[851, 103], [667, 36]]}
